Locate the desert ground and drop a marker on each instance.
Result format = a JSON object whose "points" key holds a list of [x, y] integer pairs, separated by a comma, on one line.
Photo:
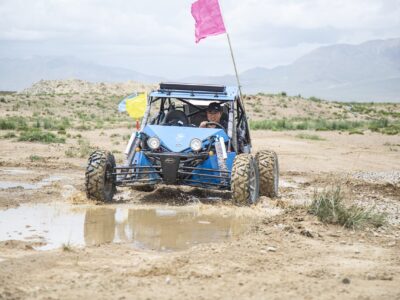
{"points": [[190, 243]]}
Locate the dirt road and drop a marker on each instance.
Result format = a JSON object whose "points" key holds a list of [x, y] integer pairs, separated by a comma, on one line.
{"points": [[273, 250]]}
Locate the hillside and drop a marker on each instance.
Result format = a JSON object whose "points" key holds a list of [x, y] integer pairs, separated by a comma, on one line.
{"points": [[76, 86], [84, 106]]}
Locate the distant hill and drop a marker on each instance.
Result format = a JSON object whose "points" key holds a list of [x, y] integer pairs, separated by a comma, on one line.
{"points": [[365, 72], [17, 74], [78, 86]]}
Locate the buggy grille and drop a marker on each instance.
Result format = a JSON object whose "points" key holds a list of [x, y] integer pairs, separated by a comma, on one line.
{"points": [[173, 168]]}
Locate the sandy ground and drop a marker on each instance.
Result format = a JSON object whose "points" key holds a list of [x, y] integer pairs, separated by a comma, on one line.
{"points": [[284, 252]]}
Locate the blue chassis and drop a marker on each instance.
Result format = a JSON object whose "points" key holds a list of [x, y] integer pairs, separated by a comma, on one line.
{"points": [[148, 167]]}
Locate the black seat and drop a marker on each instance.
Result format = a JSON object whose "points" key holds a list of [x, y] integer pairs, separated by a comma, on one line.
{"points": [[224, 117], [176, 116]]}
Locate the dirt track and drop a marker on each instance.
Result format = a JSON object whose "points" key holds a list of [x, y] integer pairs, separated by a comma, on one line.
{"points": [[285, 252]]}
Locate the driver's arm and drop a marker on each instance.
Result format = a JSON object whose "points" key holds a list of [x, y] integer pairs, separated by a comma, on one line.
{"points": [[203, 124]]}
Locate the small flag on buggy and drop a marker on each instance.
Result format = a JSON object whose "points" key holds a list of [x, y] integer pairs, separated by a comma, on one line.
{"points": [[134, 105]]}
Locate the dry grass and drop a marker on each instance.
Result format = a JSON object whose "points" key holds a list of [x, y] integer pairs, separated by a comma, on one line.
{"points": [[329, 207]]}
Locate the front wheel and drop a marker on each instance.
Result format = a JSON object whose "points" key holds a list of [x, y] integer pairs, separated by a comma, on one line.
{"points": [[99, 180], [245, 180]]}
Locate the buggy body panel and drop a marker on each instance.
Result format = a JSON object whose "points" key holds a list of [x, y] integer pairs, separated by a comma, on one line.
{"points": [[177, 138]]}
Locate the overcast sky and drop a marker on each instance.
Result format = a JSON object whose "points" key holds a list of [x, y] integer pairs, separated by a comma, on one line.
{"points": [[157, 37]]}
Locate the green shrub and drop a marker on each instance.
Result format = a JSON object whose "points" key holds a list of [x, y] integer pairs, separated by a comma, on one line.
{"points": [[313, 137], [9, 135], [314, 99], [34, 157], [328, 206], [13, 123], [257, 109], [40, 136], [375, 125], [83, 127], [83, 150], [52, 123], [356, 131], [381, 125]]}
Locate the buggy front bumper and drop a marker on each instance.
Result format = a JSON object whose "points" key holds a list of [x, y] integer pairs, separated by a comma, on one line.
{"points": [[193, 169]]}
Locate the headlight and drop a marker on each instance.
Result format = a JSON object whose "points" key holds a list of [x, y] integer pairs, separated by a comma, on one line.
{"points": [[196, 144], [153, 143]]}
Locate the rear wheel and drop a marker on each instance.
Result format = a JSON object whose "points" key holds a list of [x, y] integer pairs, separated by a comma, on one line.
{"points": [[268, 165], [99, 181], [245, 180]]}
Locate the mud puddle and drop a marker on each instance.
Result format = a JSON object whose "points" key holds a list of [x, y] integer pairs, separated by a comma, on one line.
{"points": [[56, 225], [29, 186], [16, 171]]}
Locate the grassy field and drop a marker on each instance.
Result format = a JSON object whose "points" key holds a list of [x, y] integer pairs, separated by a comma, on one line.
{"points": [[54, 118]]}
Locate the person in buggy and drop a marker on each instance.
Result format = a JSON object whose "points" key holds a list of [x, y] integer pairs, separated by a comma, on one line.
{"points": [[214, 114]]}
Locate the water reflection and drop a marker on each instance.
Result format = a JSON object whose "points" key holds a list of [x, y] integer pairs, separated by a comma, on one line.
{"points": [[159, 229], [99, 226]]}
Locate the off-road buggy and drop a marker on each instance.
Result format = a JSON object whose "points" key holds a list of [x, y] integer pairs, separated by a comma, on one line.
{"points": [[170, 148]]}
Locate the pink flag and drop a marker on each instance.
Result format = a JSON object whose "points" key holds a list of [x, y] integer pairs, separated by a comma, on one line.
{"points": [[208, 17]]}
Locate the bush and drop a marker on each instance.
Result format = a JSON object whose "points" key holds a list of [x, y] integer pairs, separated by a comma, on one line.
{"points": [[13, 123], [40, 136], [356, 131], [9, 135], [313, 137], [381, 125], [83, 150], [375, 125], [52, 123], [328, 206], [34, 157], [314, 99]]}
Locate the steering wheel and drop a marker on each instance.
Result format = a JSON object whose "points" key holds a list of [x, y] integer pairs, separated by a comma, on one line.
{"points": [[174, 122], [216, 124]]}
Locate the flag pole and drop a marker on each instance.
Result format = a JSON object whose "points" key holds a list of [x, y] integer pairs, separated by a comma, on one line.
{"points": [[233, 58], [234, 65]]}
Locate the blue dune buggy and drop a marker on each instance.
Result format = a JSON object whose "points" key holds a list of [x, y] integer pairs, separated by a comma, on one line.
{"points": [[170, 148]]}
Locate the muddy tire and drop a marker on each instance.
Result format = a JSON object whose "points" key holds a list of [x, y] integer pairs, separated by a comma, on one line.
{"points": [[144, 187], [268, 166], [99, 181], [245, 180]]}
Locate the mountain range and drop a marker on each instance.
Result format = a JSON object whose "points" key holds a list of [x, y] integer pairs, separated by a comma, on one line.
{"points": [[17, 74], [365, 72]]}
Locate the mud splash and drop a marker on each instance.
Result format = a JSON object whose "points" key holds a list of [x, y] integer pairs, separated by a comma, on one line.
{"points": [[57, 225]]}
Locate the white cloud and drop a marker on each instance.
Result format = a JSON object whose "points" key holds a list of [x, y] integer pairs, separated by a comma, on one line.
{"points": [[158, 36]]}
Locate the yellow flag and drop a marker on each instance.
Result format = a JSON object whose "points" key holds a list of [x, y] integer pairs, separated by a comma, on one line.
{"points": [[136, 107]]}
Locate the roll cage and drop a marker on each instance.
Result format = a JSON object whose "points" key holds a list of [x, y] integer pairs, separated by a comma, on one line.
{"points": [[194, 100]]}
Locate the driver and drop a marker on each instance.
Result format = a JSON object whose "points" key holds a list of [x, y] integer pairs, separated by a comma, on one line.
{"points": [[214, 113]]}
